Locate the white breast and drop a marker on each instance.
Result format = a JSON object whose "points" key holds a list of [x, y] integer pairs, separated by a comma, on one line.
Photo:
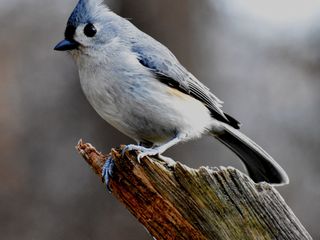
{"points": [[137, 104]]}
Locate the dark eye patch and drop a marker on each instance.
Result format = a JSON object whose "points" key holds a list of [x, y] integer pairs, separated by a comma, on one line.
{"points": [[69, 33]]}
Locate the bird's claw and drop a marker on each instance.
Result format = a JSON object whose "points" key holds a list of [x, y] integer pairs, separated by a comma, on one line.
{"points": [[132, 147], [147, 152], [107, 172], [168, 161], [143, 151]]}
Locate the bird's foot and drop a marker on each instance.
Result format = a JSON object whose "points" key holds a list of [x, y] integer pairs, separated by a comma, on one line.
{"points": [[107, 172], [148, 152], [143, 151], [132, 147], [169, 161]]}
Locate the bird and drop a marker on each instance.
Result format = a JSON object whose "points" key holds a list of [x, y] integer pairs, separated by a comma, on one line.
{"points": [[138, 86]]}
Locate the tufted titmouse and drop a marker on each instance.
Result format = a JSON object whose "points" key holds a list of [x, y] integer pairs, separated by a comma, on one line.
{"points": [[138, 86]]}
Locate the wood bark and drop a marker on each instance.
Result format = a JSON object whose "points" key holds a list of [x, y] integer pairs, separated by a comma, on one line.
{"points": [[206, 203]]}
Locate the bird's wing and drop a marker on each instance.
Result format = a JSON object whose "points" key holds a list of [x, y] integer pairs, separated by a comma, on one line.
{"points": [[161, 62]]}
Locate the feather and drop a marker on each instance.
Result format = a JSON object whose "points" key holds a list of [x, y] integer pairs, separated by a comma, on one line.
{"points": [[167, 69], [87, 11]]}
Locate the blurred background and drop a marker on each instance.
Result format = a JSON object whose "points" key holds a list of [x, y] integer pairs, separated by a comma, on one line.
{"points": [[262, 57]]}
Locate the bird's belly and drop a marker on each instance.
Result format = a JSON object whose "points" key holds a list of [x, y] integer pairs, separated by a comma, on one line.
{"points": [[150, 111]]}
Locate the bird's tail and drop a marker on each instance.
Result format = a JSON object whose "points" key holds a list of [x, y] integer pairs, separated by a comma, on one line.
{"points": [[259, 164]]}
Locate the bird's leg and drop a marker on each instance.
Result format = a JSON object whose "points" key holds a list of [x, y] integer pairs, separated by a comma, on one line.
{"points": [[107, 171], [160, 149], [132, 147], [153, 151], [142, 146]]}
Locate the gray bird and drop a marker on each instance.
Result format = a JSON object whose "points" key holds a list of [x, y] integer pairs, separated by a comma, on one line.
{"points": [[138, 86]]}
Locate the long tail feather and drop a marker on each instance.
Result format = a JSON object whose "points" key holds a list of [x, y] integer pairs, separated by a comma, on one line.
{"points": [[260, 165]]}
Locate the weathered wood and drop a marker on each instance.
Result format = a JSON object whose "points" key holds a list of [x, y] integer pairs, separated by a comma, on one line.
{"points": [[184, 203]]}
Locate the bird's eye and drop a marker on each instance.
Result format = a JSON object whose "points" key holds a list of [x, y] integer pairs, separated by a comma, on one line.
{"points": [[89, 30]]}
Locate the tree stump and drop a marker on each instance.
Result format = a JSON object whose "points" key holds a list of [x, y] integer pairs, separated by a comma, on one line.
{"points": [[206, 203]]}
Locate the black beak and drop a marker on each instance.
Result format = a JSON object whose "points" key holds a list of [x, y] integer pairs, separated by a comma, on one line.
{"points": [[66, 45]]}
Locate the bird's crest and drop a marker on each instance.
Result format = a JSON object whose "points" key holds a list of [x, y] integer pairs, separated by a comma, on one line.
{"points": [[87, 11]]}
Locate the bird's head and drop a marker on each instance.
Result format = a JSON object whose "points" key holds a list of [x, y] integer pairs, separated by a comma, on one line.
{"points": [[89, 28]]}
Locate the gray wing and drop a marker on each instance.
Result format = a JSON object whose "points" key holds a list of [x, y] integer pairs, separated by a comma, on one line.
{"points": [[160, 61]]}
